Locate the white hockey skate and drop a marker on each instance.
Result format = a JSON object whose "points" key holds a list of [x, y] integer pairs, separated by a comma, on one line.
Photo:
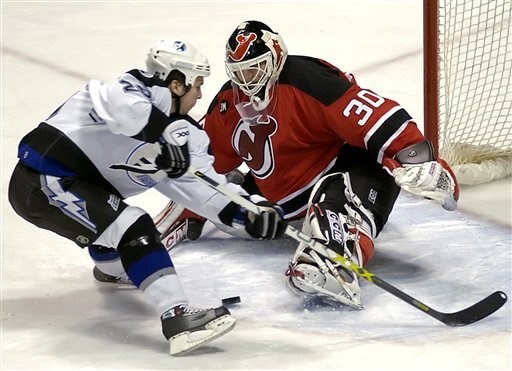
{"points": [[188, 328]]}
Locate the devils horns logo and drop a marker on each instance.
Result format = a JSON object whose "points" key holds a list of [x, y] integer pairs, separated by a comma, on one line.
{"points": [[244, 42], [254, 144]]}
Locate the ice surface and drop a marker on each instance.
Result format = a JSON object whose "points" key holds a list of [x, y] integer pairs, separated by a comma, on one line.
{"points": [[55, 317]]}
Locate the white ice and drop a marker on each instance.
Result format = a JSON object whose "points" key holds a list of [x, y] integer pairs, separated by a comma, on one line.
{"points": [[54, 316]]}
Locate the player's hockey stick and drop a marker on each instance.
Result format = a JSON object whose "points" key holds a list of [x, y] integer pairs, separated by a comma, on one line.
{"points": [[474, 313]]}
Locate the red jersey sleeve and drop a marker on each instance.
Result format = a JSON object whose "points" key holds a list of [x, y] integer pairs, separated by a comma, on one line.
{"points": [[365, 119]]}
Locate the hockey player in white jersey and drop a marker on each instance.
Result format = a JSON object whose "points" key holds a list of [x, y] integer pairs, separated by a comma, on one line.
{"points": [[113, 140]]}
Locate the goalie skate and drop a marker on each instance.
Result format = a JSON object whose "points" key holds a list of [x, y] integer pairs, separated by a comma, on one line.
{"points": [[312, 276], [188, 328]]}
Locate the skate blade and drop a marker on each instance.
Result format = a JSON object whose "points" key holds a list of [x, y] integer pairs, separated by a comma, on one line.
{"points": [[104, 280], [114, 285], [188, 341], [346, 297]]}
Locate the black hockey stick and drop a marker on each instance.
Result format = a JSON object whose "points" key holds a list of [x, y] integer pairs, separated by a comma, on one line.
{"points": [[472, 314]]}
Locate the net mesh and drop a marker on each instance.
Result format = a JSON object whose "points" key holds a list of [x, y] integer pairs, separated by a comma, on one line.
{"points": [[475, 64]]}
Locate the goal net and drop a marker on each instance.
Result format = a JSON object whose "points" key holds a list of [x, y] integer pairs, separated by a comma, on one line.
{"points": [[468, 97]]}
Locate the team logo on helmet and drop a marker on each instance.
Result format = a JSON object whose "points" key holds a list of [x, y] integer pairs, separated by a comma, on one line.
{"points": [[180, 46], [244, 42]]}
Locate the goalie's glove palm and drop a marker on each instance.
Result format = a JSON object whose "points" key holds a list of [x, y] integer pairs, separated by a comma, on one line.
{"points": [[174, 157]]}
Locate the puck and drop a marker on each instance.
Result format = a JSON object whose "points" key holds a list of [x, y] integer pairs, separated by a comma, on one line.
{"points": [[231, 300]]}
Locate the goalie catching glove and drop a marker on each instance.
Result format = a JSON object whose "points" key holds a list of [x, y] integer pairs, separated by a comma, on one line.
{"points": [[416, 170], [174, 157], [268, 224]]}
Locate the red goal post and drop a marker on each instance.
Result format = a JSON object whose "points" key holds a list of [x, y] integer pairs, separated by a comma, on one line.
{"points": [[467, 86]]}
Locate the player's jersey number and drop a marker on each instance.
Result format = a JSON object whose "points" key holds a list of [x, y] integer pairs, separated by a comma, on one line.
{"points": [[363, 106], [130, 87]]}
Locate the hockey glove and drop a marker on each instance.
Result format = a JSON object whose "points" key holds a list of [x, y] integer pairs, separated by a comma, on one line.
{"points": [[174, 157], [267, 225], [416, 171]]}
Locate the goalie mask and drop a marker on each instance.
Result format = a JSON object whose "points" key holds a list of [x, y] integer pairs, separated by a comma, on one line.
{"points": [[255, 56], [173, 54]]}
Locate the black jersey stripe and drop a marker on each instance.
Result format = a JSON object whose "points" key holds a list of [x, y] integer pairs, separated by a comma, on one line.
{"points": [[55, 151], [323, 82], [386, 130], [153, 130]]}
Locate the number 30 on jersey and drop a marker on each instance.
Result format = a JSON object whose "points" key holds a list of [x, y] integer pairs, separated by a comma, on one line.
{"points": [[363, 107]]}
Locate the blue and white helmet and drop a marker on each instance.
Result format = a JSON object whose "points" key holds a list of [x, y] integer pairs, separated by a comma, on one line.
{"points": [[176, 54]]}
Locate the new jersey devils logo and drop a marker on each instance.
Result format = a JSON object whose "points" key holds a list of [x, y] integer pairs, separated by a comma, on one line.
{"points": [[254, 144], [244, 42]]}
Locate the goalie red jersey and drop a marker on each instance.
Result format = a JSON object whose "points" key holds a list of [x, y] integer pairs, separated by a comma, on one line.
{"points": [[315, 109]]}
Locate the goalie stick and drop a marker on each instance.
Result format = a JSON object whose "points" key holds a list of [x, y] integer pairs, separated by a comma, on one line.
{"points": [[474, 313]]}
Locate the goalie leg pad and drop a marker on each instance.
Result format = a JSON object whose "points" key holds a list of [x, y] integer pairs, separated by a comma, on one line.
{"points": [[175, 224], [336, 218]]}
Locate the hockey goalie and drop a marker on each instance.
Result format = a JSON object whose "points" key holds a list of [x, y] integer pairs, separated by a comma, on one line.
{"points": [[322, 147]]}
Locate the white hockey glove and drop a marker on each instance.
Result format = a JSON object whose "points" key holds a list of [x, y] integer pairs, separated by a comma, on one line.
{"points": [[174, 157], [269, 224], [416, 171]]}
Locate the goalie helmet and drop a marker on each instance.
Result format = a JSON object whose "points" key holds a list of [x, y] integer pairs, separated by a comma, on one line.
{"points": [[255, 56], [174, 54]]}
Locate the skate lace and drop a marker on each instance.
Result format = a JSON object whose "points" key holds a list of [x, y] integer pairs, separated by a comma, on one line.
{"points": [[191, 310], [184, 310]]}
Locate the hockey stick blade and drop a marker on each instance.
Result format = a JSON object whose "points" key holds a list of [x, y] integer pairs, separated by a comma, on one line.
{"points": [[472, 314]]}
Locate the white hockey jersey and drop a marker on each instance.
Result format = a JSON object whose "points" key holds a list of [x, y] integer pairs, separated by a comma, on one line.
{"points": [[108, 133]]}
